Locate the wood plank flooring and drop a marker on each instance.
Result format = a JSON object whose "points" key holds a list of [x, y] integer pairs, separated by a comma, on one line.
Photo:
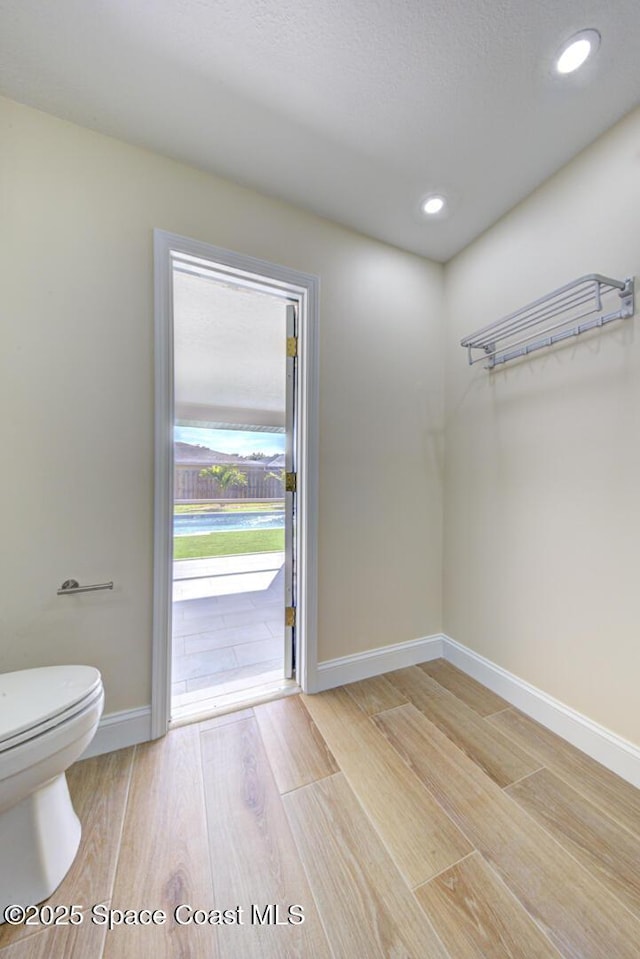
{"points": [[420, 836], [411, 816], [253, 855], [163, 858], [494, 752], [477, 916]]}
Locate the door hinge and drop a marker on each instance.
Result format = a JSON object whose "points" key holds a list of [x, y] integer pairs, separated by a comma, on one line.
{"points": [[291, 482], [292, 346], [290, 616]]}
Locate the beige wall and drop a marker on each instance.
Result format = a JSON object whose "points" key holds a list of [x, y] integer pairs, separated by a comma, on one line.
{"points": [[542, 523], [76, 389], [542, 512]]}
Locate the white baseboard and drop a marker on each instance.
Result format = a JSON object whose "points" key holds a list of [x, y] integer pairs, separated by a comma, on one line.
{"points": [[350, 669], [614, 752], [117, 730]]}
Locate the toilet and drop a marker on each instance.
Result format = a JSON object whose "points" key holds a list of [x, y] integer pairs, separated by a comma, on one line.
{"points": [[48, 717]]}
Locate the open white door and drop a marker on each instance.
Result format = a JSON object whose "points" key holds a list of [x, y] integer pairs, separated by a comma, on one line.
{"points": [[290, 496]]}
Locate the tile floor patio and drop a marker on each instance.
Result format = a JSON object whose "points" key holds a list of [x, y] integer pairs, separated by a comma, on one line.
{"points": [[228, 630]]}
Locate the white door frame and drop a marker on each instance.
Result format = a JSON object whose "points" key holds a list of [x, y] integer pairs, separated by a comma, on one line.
{"points": [[303, 287]]}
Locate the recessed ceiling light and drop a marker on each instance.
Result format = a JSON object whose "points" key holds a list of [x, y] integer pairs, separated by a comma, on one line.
{"points": [[577, 50], [433, 204]]}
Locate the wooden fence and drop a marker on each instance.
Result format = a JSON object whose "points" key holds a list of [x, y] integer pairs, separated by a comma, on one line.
{"points": [[189, 485]]}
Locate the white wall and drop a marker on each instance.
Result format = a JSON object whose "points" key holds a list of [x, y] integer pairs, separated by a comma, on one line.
{"points": [[76, 389], [542, 517]]}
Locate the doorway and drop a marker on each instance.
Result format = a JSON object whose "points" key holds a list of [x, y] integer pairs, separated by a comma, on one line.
{"points": [[234, 608], [233, 416]]}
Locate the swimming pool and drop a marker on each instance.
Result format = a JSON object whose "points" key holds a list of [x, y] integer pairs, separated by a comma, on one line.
{"points": [[190, 524]]}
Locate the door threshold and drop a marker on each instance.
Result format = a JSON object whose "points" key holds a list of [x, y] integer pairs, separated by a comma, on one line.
{"points": [[202, 709]]}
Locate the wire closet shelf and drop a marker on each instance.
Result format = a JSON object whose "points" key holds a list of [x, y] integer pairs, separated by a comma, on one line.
{"points": [[551, 319]]}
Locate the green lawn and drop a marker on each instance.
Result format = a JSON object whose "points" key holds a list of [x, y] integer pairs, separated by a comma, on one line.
{"points": [[228, 543]]}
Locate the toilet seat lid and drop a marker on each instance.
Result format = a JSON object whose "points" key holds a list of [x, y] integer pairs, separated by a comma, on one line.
{"points": [[30, 697]]}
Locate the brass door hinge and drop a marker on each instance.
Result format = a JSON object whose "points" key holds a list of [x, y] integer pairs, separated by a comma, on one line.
{"points": [[291, 482], [290, 616], [292, 346]]}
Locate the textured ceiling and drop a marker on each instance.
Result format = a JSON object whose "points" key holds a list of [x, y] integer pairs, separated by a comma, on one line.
{"points": [[354, 109]]}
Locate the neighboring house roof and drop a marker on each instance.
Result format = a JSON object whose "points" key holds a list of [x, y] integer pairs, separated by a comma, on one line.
{"points": [[187, 455]]}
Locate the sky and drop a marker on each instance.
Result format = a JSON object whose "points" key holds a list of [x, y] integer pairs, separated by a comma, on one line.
{"points": [[231, 441]]}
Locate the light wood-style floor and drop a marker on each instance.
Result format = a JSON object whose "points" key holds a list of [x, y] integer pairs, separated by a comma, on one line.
{"points": [[411, 815]]}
